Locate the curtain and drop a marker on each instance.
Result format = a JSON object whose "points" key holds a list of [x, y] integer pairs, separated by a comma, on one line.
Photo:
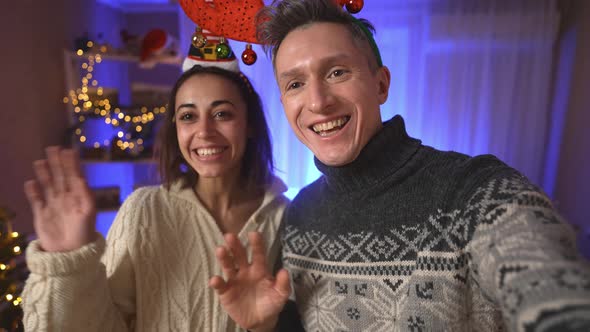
{"points": [[468, 76]]}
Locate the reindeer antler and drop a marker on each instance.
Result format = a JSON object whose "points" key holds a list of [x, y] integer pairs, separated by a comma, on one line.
{"points": [[234, 19]]}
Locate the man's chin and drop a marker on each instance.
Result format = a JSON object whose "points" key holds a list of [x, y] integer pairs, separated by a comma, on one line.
{"points": [[336, 160]]}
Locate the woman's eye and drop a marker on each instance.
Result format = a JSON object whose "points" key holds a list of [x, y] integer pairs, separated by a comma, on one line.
{"points": [[222, 115], [185, 117]]}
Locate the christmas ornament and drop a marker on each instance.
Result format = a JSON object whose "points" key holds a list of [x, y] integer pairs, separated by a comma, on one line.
{"points": [[198, 40], [232, 19], [249, 56], [354, 6], [223, 51]]}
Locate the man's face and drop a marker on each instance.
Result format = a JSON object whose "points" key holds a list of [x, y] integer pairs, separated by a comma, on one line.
{"points": [[330, 94]]}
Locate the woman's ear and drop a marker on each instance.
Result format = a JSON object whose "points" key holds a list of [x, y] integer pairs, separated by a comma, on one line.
{"points": [[383, 82], [250, 132]]}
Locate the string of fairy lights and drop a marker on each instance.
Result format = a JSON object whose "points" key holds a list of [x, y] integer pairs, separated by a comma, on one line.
{"points": [[5, 267], [85, 106]]}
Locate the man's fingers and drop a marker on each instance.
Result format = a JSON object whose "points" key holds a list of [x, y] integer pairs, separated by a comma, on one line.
{"points": [[258, 250], [217, 283], [237, 250], [56, 167], [227, 263], [282, 284]]}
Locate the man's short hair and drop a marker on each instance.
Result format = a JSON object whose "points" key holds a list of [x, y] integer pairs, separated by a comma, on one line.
{"points": [[276, 21]]}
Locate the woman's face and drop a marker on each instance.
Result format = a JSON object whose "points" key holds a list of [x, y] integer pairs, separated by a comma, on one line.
{"points": [[211, 125]]}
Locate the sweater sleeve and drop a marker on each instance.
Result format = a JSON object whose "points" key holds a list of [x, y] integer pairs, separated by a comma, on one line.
{"points": [[88, 289], [523, 256]]}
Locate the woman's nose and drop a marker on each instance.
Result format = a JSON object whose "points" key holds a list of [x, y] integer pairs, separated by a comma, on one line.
{"points": [[205, 128]]}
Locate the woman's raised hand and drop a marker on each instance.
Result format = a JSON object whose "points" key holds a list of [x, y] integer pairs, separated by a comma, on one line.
{"points": [[63, 206], [250, 294]]}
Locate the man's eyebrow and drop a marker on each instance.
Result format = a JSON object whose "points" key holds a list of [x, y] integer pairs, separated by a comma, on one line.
{"points": [[327, 60]]}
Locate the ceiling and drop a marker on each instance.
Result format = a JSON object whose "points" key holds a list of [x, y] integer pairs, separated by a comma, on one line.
{"points": [[141, 5]]}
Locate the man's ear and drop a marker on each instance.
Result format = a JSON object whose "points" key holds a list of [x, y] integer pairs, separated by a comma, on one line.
{"points": [[383, 81]]}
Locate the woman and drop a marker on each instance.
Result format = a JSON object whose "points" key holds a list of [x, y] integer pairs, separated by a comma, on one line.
{"points": [[216, 166]]}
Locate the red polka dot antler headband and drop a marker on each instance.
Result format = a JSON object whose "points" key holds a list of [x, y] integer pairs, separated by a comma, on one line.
{"points": [[232, 19]]}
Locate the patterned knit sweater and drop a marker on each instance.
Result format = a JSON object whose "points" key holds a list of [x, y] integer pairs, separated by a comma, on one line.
{"points": [[154, 275], [408, 238]]}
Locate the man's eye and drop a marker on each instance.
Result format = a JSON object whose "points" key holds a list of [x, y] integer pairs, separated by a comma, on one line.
{"points": [[294, 85], [337, 73]]}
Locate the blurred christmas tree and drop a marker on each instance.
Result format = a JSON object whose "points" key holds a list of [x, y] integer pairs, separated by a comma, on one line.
{"points": [[13, 272]]}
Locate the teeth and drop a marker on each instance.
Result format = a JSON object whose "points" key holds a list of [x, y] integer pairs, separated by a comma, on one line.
{"points": [[322, 127], [208, 151]]}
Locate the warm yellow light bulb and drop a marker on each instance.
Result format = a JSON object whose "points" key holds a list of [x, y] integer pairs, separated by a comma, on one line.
{"points": [[9, 297], [127, 118], [79, 52], [14, 234], [120, 116], [120, 134], [2, 267], [138, 128], [90, 43], [139, 141], [66, 100], [107, 120], [82, 139], [78, 131]]}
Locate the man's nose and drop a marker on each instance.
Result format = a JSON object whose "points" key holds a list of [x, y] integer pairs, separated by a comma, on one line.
{"points": [[319, 97]]}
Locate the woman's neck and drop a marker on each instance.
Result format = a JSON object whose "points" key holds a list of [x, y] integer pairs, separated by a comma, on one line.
{"points": [[228, 200]]}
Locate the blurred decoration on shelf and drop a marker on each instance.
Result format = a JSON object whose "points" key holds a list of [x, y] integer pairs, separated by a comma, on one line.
{"points": [[156, 43], [107, 198], [13, 273], [134, 125]]}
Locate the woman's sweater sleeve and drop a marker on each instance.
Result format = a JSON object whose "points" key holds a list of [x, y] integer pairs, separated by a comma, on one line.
{"points": [[88, 289]]}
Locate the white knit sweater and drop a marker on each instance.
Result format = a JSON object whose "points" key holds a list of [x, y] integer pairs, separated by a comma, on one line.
{"points": [[154, 274]]}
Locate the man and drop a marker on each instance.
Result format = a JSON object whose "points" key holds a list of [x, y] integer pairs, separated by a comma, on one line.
{"points": [[395, 236]]}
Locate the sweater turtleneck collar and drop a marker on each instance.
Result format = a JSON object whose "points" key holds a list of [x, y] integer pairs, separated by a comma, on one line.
{"points": [[383, 155]]}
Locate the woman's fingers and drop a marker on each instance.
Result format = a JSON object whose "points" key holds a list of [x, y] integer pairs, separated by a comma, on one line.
{"points": [[56, 168], [35, 196], [41, 169], [71, 163]]}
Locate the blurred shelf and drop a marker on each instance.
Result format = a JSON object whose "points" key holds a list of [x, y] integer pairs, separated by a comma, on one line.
{"points": [[164, 59]]}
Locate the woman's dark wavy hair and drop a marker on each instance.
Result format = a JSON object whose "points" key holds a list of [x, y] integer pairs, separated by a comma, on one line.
{"points": [[257, 164], [275, 22]]}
